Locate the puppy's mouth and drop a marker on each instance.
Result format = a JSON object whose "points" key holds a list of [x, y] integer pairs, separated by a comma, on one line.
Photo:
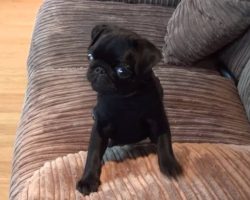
{"points": [[103, 84], [100, 80]]}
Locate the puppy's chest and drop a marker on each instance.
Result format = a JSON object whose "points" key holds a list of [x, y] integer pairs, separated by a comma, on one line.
{"points": [[126, 116], [117, 110]]}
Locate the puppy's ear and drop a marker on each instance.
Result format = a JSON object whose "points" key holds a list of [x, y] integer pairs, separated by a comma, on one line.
{"points": [[148, 56], [99, 30]]}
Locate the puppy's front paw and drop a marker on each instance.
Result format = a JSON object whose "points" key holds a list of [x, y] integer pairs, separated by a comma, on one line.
{"points": [[87, 186], [170, 167]]}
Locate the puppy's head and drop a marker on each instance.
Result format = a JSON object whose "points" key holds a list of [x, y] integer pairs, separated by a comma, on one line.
{"points": [[119, 60]]}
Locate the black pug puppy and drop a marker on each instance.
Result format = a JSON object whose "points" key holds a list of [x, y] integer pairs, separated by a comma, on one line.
{"points": [[129, 102]]}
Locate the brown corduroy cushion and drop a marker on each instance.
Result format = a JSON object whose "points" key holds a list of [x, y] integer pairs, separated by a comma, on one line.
{"points": [[236, 55], [63, 28], [211, 171], [57, 120], [244, 88], [199, 28], [203, 108]]}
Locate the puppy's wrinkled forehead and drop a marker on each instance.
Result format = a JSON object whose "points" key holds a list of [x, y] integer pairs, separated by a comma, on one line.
{"points": [[111, 48], [116, 46]]}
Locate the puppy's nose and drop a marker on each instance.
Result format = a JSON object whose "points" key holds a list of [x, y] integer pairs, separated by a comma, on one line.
{"points": [[99, 70]]}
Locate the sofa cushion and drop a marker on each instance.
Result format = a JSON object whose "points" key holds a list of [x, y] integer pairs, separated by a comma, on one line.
{"points": [[56, 117], [57, 98], [211, 171], [57, 120], [244, 88], [236, 55], [62, 32], [199, 28]]}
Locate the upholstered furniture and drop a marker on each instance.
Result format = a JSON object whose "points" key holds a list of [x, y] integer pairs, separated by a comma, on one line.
{"points": [[207, 112]]}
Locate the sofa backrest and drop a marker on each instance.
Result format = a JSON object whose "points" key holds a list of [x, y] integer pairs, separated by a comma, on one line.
{"points": [[236, 57], [244, 88], [169, 3]]}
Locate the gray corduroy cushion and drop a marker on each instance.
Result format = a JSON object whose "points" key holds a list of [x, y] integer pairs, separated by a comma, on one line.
{"points": [[237, 54], [244, 88], [199, 28]]}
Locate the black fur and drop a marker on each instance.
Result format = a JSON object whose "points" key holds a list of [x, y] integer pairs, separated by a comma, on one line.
{"points": [[128, 109]]}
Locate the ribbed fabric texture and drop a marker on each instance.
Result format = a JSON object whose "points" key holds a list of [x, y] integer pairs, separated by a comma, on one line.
{"points": [[244, 88], [199, 28], [170, 3], [133, 173], [203, 108], [63, 29], [57, 120], [237, 54]]}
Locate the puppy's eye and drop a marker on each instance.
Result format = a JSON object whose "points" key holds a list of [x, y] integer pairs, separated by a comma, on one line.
{"points": [[90, 57], [123, 72]]}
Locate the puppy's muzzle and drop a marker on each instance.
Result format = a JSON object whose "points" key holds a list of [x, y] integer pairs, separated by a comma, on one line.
{"points": [[99, 67]]}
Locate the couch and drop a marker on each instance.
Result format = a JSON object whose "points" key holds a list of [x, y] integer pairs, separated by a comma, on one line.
{"points": [[205, 75]]}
